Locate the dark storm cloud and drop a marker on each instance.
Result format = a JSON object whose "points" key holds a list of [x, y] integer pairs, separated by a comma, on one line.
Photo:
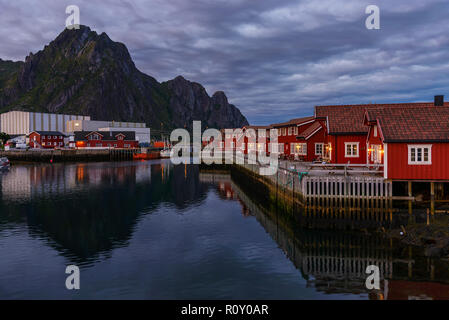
{"points": [[274, 59]]}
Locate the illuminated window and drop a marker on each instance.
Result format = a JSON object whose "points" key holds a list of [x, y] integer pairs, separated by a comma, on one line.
{"points": [[298, 148]]}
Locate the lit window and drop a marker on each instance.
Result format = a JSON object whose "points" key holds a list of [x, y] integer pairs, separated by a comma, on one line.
{"points": [[352, 149], [319, 149], [420, 154], [298, 148]]}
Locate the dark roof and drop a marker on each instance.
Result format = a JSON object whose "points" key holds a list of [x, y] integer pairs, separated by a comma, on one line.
{"points": [[295, 121], [257, 127], [310, 130], [412, 124], [107, 135], [348, 119], [48, 133]]}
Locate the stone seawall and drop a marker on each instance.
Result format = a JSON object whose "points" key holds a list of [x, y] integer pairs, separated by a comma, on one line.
{"points": [[68, 155]]}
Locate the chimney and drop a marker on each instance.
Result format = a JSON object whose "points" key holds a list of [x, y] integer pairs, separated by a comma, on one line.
{"points": [[439, 101]]}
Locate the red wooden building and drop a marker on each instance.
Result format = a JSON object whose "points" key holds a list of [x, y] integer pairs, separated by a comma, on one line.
{"points": [[413, 142], [288, 143], [46, 139], [106, 139], [346, 140]]}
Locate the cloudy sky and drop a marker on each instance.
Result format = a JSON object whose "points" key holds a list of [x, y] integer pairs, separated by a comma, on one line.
{"points": [[275, 59]]}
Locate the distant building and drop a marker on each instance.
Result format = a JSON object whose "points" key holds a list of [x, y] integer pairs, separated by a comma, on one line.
{"points": [[104, 139], [142, 133], [23, 123], [46, 139]]}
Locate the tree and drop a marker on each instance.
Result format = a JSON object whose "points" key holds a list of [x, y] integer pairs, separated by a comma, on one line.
{"points": [[4, 137]]}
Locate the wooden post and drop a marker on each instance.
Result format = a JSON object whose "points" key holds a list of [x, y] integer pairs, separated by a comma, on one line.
{"points": [[432, 198]]}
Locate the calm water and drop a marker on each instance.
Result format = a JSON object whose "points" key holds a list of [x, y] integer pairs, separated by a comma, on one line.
{"points": [[149, 230]]}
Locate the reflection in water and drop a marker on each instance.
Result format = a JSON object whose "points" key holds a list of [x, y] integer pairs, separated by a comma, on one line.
{"points": [[333, 259], [154, 230], [89, 208]]}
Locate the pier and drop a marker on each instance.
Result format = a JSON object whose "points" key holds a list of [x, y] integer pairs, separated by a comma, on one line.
{"points": [[66, 155]]}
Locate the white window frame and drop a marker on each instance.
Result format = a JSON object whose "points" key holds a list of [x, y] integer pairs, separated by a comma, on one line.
{"points": [[289, 131], [280, 148], [322, 149], [416, 147], [375, 131], [352, 155], [295, 131], [303, 149]]}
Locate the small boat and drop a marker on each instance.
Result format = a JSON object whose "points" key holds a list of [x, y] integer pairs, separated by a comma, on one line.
{"points": [[149, 155], [166, 153], [4, 163]]}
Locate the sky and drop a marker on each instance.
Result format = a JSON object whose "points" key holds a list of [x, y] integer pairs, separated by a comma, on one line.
{"points": [[274, 59]]}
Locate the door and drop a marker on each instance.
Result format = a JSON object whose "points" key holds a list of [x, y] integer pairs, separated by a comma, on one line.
{"points": [[376, 155]]}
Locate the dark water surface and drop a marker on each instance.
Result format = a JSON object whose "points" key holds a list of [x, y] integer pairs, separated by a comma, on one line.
{"points": [[149, 230]]}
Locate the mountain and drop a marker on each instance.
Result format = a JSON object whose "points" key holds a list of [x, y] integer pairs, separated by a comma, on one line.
{"points": [[81, 72]]}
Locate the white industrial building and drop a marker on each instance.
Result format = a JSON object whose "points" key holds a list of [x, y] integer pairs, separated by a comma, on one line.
{"points": [[22, 123]]}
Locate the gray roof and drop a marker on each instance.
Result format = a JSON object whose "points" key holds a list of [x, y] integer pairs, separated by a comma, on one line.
{"points": [[49, 133]]}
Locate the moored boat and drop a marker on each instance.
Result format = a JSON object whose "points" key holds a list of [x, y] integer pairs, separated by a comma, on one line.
{"points": [[4, 163]]}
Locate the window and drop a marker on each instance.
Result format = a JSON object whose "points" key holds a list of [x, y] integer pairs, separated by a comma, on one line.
{"points": [[420, 154], [289, 131], [260, 147], [55, 143], [60, 137], [284, 131], [352, 149], [295, 131], [298, 148], [43, 143], [279, 132], [55, 137], [280, 147], [60, 143], [94, 136], [319, 149], [251, 146], [119, 137], [375, 131]]}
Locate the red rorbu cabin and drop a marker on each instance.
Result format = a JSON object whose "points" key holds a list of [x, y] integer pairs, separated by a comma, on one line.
{"points": [[46, 139], [301, 138], [413, 142], [106, 139], [346, 140]]}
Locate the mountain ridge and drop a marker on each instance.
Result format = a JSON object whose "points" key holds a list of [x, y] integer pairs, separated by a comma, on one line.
{"points": [[82, 72]]}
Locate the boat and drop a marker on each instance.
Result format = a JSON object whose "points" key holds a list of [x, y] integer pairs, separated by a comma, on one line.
{"points": [[149, 155], [166, 153], [4, 163]]}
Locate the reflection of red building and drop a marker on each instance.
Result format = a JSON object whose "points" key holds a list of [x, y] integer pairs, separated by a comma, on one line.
{"points": [[106, 139], [415, 290], [46, 139]]}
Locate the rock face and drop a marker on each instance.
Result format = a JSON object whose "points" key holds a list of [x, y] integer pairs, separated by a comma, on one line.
{"points": [[82, 72]]}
